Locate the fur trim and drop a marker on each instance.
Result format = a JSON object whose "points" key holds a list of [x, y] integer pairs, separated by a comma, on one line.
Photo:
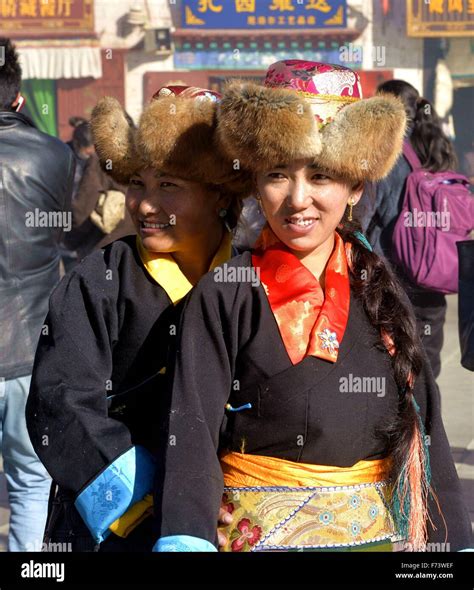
{"points": [[365, 139], [261, 127], [114, 139], [176, 135]]}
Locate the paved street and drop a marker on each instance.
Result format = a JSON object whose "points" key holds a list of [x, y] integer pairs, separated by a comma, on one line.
{"points": [[457, 389], [457, 393]]}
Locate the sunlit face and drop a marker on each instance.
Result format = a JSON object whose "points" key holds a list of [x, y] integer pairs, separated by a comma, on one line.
{"points": [[171, 214], [303, 205]]}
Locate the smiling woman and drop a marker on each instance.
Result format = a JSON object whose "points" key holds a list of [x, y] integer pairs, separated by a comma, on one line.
{"points": [[177, 216], [99, 382], [303, 204], [267, 411]]}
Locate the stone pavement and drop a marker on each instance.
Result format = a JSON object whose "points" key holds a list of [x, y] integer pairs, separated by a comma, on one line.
{"points": [[457, 391]]}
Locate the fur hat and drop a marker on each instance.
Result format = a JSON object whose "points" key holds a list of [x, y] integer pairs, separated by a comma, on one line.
{"points": [[175, 134], [311, 110]]}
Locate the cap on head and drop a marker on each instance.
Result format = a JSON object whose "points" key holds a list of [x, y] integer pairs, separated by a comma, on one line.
{"points": [[311, 110], [175, 135]]}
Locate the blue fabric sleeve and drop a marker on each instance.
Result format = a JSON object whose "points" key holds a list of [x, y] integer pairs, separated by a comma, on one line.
{"points": [[123, 483], [182, 543]]}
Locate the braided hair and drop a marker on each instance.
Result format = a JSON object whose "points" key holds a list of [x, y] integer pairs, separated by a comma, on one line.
{"points": [[375, 285]]}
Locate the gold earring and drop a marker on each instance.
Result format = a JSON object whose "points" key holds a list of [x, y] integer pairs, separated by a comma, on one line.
{"points": [[351, 204]]}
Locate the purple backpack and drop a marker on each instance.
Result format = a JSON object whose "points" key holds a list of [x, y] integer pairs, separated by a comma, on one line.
{"points": [[437, 212]]}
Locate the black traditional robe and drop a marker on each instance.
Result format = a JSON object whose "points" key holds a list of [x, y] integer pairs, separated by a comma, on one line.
{"points": [[98, 379], [230, 351]]}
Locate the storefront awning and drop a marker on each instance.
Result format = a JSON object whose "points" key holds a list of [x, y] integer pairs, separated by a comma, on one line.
{"points": [[60, 61]]}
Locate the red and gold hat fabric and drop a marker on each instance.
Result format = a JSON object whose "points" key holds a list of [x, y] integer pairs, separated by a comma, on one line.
{"points": [[328, 88]]}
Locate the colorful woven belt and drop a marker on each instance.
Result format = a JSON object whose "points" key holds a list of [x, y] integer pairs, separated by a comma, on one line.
{"points": [[280, 505], [311, 518]]}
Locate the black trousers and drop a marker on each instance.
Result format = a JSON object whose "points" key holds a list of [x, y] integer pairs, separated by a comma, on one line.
{"points": [[430, 312]]}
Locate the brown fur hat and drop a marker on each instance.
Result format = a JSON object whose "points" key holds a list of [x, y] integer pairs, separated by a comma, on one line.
{"points": [[365, 139], [263, 126], [255, 122], [114, 138], [175, 134]]}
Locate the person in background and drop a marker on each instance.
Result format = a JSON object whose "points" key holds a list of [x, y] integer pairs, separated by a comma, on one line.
{"points": [[99, 215], [382, 202], [82, 146], [37, 173]]}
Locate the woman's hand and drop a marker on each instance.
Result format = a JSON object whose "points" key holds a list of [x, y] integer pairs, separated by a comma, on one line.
{"points": [[225, 518]]}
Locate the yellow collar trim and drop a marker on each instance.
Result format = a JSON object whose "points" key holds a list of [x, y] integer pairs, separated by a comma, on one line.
{"points": [[166, 272]]}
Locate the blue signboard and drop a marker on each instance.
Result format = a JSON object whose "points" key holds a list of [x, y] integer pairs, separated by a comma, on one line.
{"points": [[264, 14]]}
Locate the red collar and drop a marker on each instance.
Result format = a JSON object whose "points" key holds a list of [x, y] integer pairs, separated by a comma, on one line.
{"points": [[310, 321]]}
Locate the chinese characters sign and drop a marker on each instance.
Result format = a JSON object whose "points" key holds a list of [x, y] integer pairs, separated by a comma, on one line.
{"points": [[40, 17], [261, 14], [440, 18]]}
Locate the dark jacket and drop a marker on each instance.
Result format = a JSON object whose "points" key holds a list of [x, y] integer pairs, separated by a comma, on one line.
{"points": [[86, 237], [36, 177], [115, 321], [380, 207]]}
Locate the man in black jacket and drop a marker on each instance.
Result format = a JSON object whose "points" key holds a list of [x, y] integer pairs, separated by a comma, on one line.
{"points": [[36, 176]]}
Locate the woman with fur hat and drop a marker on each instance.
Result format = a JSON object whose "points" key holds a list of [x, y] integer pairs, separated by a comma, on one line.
{"points": [[100, 370], [309, 402]]}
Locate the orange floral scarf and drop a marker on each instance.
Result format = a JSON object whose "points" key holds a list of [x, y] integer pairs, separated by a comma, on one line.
{"points": [[310, 321]]}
